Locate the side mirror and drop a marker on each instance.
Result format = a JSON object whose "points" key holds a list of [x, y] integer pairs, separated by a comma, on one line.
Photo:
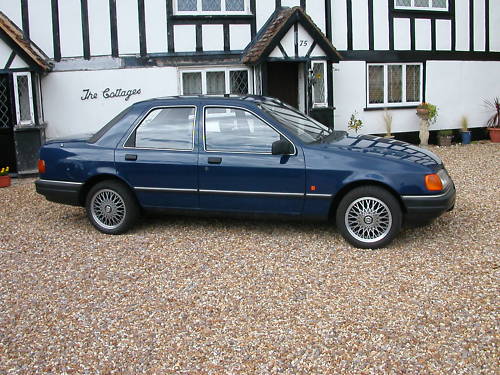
{"points": [[282, 147]]}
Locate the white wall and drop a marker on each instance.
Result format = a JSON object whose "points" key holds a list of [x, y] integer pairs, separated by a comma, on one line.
{"points": [[67, 114], [381, 26], [12, 9], [156, 25], [70, 27], [40, 15], [5, 52], [127, 22], [360, 25], [99, 28], [264, 10], [458, 88], [480, 25], [462, 24], [339, 24], [494, 26]]}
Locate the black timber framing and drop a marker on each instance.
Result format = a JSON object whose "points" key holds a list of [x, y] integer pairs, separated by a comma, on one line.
{"points": [[471, 25], [85, 29], [33, 65], [418, 56], [487, 25], [10, 60], [370, 25], [56, 38], [141, 12], [25, 19], [114, 28], [349, 24]]}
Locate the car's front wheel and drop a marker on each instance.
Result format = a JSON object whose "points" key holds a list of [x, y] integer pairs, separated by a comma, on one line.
{"points": [[369, 217], [111, 207]]}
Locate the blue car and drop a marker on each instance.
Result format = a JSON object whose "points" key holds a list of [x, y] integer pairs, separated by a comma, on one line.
{"points": [[243, 155]]}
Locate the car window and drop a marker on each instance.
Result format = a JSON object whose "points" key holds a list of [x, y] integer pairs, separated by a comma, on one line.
{"points": [[236, 130], [166, 128]]}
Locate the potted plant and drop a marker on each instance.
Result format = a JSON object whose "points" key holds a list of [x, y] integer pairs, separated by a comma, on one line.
{"points": [[4, 177], [427, 113], [465, 132], [493, 122], [445, 137], [354, 123], [388, 124]]}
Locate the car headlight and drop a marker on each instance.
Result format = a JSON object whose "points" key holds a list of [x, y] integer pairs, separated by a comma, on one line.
{"points": [[437, 181], [445, 178]]}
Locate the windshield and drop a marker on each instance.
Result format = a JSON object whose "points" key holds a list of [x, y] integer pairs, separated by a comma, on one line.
{"points": [[304, 127]]}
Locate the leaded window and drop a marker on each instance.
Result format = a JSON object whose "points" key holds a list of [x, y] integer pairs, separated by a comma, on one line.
{"points": [[211, 6], [215, 81], [319, 84], [439, 5], [24, 99], [5, 115], [394, 84]]}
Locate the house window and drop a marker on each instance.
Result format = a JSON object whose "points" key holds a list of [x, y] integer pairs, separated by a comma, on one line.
{"points": [[319, 93], [215, 81], [439, 5], [211, 6], [394, 84], [24, 99]]}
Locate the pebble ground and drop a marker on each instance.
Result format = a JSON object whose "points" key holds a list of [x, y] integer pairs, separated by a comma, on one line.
{"points": [[223, 296]]}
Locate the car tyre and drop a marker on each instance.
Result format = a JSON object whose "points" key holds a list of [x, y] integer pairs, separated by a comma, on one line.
{"points": [[369, 217], [111, 207]]}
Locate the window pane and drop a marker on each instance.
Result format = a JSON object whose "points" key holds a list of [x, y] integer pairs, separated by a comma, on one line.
{"points": [[216, 83], [413, 83], [235, 5], [422, 3], [376, 84], [319, 83], [23, 90], [403, 3], [439, 4], [168, 128], [237, 130], [394, 83], [191, 83], [239, 82], [186, 5], [211, 5]]}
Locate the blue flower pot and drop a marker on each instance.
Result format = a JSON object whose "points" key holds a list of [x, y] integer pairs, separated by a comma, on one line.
{"points": [[466, 137]]}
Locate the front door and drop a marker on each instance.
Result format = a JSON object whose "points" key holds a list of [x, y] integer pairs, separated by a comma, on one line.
{"points": [[237, 171], [282, 82], [159, 159]]}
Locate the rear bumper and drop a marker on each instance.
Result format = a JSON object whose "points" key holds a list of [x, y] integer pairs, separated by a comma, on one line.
{"points": [[64, 192], [428, 207]]}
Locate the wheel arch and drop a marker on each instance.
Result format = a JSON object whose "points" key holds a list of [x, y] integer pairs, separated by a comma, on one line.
{"points": [[355, 184], [99, 178]]}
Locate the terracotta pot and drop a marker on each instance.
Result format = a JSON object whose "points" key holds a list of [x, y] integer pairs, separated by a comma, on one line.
{"points": [[494, 134], [423, 113], [4, 181]]}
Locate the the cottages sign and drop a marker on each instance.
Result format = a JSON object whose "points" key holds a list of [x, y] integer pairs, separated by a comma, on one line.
{"points": [[109, 93]]}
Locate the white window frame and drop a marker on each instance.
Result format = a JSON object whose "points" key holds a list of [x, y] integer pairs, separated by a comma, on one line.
{"points": [[16, 98], [200, 12], [386, 103], [431, 8], [325, 85], [227, 77]]}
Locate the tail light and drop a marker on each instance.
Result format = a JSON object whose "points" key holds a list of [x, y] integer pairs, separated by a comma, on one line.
{"points": [[41, 166]]}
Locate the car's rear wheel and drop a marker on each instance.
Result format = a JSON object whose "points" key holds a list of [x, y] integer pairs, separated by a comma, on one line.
{"points": [[111, 207], [369, 217]]}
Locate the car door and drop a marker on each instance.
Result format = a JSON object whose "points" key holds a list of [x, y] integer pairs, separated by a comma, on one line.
{"points": [[237, 171], [159, 159]]}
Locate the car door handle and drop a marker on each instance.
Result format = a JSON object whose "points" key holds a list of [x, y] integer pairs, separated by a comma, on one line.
{"points": [[130, 157], [214, 160]]}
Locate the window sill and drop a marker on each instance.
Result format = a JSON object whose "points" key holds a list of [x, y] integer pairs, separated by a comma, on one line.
{"points": [[414, 106], [212, 16]]}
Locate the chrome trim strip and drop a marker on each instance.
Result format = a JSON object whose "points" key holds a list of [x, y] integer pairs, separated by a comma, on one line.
{"points": [[295, 153], [62, 182], [424, 196], [309, 195], [236, 192], [144, 188]]}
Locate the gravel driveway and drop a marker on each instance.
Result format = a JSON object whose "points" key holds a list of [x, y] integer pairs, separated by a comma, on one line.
{"points": [[224, 296]]}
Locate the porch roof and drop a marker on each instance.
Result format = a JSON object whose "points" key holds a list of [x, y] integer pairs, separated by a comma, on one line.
{"points": [[25, 48], [276, 28]]}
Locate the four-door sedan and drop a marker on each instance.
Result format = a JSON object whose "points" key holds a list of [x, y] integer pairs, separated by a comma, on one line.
{"points": [[250, 155]]}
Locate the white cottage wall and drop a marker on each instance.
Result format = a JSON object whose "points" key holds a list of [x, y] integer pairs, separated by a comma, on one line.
{"points": [[66, 112]]}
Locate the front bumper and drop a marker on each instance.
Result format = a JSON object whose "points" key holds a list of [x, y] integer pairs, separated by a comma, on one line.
{"points": [[428, 207], [64, 192]]}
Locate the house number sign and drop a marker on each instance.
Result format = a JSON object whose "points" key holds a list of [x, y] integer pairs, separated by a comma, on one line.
{"points": [[109, 93]]}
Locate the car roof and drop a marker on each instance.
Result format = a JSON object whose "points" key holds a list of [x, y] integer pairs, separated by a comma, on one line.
{"points": [[214, 99]]}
